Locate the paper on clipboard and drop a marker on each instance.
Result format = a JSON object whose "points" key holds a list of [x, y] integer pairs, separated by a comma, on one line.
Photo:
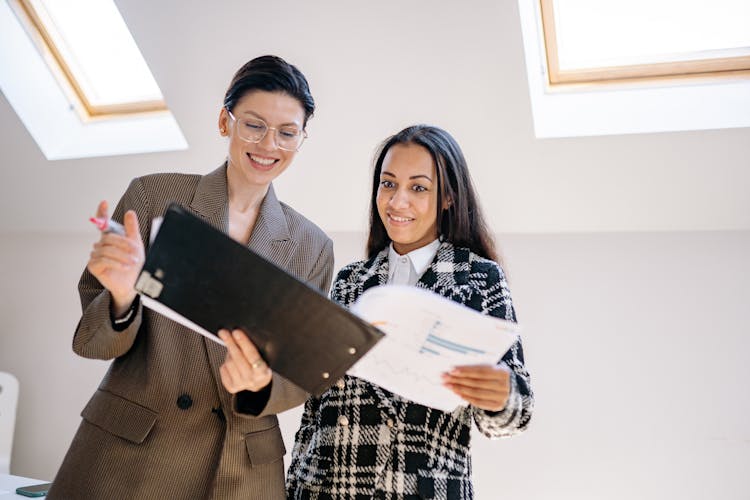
{"points": [[178, 318], [426, 335]]}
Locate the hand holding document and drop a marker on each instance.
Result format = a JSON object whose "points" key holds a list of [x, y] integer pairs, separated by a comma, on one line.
{"points": [[426, 336], [198, 276]]}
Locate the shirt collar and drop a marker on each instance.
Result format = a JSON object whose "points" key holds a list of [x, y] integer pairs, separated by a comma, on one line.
{"points": [[421, 258]]}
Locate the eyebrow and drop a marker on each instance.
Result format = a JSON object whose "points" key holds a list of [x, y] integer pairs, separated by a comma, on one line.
{"points": [[256, 115], [385, 172]]}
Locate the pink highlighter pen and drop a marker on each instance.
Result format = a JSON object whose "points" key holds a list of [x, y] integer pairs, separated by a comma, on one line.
{"points": [[108, 225]]}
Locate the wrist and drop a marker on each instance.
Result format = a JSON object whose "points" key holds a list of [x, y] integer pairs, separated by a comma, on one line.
{"points": [[120, 305], [123, 321]]}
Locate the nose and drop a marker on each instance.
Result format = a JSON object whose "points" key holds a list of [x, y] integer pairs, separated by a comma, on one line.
{"points": [[399, 199], [269, 140]]}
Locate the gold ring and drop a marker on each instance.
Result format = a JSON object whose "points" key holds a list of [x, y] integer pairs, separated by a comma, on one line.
{"points": [[257, 363]]}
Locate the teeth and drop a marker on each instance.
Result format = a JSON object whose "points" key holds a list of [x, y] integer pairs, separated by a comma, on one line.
{"points": [[262, 161], [400, 219]]}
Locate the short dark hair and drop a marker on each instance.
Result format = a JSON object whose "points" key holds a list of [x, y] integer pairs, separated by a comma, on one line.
{"points": [[460, 221], [272, 74]]}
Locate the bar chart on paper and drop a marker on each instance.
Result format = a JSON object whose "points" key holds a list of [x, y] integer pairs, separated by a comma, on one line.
{"points": [[426, 335]]}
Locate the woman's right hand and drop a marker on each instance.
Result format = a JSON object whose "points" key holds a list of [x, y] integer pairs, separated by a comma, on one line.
{"points": [[243, 369], [116, 261]]}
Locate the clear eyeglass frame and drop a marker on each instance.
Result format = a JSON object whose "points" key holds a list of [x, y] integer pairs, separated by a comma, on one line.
{"points": [[281, 143]]}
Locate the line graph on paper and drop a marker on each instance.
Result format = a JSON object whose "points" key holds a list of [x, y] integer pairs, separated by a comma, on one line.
{"points": [[426, 335]]}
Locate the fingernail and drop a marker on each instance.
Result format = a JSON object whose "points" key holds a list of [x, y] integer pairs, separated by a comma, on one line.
{"points": [[237, 334]]}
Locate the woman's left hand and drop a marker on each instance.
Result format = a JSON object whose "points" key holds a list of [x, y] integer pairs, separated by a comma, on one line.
{"points": [[484, 386], [243, 368]]}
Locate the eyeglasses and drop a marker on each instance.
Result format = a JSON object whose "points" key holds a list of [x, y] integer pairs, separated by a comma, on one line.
{"points": [[253, 130]]}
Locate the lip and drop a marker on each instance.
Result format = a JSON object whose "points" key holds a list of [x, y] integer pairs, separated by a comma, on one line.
{"points": [[261, 166], [394, 222]]}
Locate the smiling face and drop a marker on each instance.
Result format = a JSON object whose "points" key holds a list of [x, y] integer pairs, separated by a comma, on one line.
{"points": [[259, 164], [407, 197]]}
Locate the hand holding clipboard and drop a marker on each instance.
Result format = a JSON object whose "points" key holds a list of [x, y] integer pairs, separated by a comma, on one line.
{"points": [[205, 280]]}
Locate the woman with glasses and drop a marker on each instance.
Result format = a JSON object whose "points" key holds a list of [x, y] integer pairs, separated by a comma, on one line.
{"points": [[179, 416], [359, 440]]}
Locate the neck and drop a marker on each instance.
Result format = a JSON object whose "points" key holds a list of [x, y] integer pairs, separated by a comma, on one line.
{"points": [[243, 196]]}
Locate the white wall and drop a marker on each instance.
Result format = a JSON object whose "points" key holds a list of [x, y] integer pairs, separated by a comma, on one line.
{"points": [[637, 345]]}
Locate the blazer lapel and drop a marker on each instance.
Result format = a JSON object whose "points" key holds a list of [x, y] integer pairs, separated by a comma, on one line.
{"points": [[211, 199], [376, 272], [270, 239], [211, 203], [448, 275]]}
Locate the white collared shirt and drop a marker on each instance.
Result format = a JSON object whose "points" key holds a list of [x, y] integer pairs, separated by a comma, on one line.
{"points": [[408, 268]]}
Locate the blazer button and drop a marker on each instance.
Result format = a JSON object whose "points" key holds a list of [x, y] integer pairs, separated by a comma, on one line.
{"points": [[341, 384], [343, 421], [184, 401], [389, 423]]}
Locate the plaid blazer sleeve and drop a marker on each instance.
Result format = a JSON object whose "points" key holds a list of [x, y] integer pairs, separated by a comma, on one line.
{"points": [[493, 298]]}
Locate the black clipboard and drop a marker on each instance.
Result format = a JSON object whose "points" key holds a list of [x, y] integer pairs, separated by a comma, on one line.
{"points": [[203, 275]]}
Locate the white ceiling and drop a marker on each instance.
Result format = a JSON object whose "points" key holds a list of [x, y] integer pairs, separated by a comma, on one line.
{"points": [[375, 67]]}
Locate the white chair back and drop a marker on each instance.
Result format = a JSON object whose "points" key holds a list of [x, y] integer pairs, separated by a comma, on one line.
{"points": [[8, 403]]}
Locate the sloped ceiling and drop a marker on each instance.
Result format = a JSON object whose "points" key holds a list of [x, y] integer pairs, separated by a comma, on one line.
{"points": [[375, 67]]}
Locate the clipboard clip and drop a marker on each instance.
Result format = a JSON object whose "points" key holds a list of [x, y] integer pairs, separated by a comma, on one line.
{"points": [[149, 285]]}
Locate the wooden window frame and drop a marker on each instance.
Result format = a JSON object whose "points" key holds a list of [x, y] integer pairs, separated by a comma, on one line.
{"points": [[699, 68], [53, 56]]}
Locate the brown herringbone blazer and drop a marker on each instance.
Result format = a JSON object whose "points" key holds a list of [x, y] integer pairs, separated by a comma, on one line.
{"points": [[161, 425]]}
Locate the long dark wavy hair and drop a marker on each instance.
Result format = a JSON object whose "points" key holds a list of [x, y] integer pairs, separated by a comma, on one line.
{"points": [[460, 221]]}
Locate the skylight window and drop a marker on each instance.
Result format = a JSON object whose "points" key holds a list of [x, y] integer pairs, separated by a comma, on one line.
{"points": [[596, 40], [74, 75], [601, 67], [95, 52]]}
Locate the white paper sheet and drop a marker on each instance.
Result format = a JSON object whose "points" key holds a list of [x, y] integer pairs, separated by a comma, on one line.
{"points": [[179, 318], [426, 336]]}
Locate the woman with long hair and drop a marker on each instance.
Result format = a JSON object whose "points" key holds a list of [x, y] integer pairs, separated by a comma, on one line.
{"points": [[358, 440]]}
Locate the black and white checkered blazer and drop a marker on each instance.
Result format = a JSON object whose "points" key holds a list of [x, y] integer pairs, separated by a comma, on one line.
{"points": [[360, 441]]}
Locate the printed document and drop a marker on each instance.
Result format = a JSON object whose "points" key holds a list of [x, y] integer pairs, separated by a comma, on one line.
{"points": [[426, 336]]}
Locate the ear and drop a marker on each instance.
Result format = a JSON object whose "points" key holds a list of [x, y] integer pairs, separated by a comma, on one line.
{"points": [[223, 122], [447, 202]]}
